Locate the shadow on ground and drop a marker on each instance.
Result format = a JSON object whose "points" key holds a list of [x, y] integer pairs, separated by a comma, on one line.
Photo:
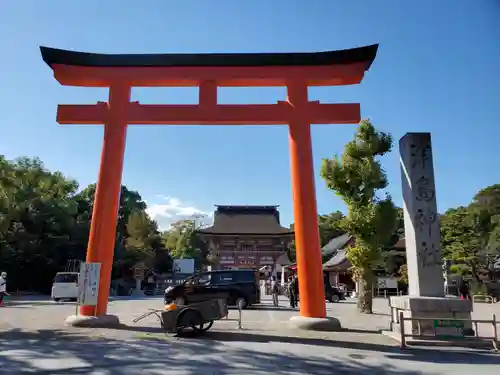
{"points": [[391, 351], [35, 303], [63, 352]]}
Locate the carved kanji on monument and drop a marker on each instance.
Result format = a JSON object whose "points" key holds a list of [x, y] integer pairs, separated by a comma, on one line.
{"points": [[423, 249]]}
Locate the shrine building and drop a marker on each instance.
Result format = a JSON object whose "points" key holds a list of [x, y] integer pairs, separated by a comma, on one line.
{"points": [[247, 237]]}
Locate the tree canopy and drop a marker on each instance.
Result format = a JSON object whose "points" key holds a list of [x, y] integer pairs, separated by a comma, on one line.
{"points": [[470, 234], [45, 221], [183, 241], [357, 177]]}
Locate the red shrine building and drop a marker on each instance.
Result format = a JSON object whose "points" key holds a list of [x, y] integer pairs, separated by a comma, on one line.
{"points": [[247, 237]]}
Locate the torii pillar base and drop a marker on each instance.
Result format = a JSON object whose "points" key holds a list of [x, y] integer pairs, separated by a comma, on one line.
{"points": [[101, 321], [328, 324]]}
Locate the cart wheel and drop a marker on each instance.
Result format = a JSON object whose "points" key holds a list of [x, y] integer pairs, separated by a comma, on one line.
{"points": [[334, 298], [188, 318], [203, 327]]}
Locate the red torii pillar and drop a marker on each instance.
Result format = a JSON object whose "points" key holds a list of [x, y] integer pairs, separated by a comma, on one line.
{"points": [[296, 71]]}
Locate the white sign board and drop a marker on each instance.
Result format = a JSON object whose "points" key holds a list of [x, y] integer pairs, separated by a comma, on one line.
{"points": [[88, 286], [387, 283], [496, 266], [183, 266]]}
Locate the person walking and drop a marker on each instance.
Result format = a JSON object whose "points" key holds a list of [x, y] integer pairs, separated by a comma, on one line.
{"points": [[291, 292], [275, 291], [296, 289], [464, 290], [3, 287]]}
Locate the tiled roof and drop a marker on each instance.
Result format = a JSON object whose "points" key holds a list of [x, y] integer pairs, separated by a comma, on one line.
{"points": [[336, 248], [336, 244], [248, 220], [339, 258]]}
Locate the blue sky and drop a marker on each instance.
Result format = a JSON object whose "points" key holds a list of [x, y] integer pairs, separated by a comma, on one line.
{"points": [[437, 70]]}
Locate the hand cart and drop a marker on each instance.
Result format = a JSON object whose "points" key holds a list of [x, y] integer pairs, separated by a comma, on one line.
{"points": [[199, 316]]}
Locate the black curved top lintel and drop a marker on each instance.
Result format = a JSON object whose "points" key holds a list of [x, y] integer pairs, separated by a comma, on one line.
{"points": [[364, 54]]}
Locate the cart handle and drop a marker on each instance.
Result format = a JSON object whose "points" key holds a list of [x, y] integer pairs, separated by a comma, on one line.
{"points": [[145, 315]]}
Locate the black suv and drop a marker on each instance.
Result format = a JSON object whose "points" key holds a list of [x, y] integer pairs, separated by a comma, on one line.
{"points": [[240, 287]]}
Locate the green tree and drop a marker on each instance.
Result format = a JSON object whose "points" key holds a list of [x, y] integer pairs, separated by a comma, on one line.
{"points": [[183, 241], [485, 208], [403, 274], [37, 223], [330, 226], [470, 235], [391, 259], [356, 177], [130, 201], [145, 243], [44, 222]]}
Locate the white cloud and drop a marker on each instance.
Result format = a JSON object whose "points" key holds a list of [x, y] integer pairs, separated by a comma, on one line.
{"points": [[168, 210]]}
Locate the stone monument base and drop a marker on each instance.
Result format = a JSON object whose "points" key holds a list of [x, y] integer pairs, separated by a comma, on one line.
{"points": [[432, 309], [327, 324], [103, 321]]}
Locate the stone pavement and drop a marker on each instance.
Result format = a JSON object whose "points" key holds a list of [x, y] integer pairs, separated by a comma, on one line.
{"points": [[34, 340]]}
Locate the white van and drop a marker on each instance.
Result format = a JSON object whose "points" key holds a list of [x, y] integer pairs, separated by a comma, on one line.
{"points": [[65, 286]]}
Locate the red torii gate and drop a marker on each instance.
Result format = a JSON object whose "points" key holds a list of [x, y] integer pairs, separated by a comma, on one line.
{"points": [[296, 71]]}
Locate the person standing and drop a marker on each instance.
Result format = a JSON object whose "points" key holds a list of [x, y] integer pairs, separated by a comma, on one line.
{"points": [[296, 289], [275, 291], [3, 287], [291, 292]]}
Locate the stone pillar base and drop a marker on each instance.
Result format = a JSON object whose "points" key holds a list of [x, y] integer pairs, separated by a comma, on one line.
{"points": [[103, 321], [328, 324], [436, 308]]}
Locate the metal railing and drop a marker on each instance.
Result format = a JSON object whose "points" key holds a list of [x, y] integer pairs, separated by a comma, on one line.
{"points": [[482, 298], [459, 336], [386, 293]]}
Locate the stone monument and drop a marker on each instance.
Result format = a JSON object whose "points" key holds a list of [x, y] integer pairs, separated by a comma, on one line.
{"points": [[426, 293], [139, 274]]}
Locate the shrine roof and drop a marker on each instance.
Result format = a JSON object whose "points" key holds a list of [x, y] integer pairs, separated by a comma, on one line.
{"points": [[246, 220], [365, 54], [336, 244], [336, 250]]}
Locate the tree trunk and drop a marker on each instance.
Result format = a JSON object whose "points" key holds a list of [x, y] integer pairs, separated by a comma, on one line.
{"points": [[475, 274], [365, 298]]}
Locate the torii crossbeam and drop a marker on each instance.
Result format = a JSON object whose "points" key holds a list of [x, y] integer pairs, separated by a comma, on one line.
{"points": [[296, 71]]}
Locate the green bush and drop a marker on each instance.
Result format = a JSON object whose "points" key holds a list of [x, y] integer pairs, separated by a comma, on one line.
{"points": [[479, 289]]}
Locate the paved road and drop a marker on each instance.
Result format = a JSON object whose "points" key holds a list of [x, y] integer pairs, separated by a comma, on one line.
{"points": [[33, 340]]}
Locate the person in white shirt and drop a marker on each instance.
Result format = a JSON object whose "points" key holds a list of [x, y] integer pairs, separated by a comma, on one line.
{"points": [[3, 287]]}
